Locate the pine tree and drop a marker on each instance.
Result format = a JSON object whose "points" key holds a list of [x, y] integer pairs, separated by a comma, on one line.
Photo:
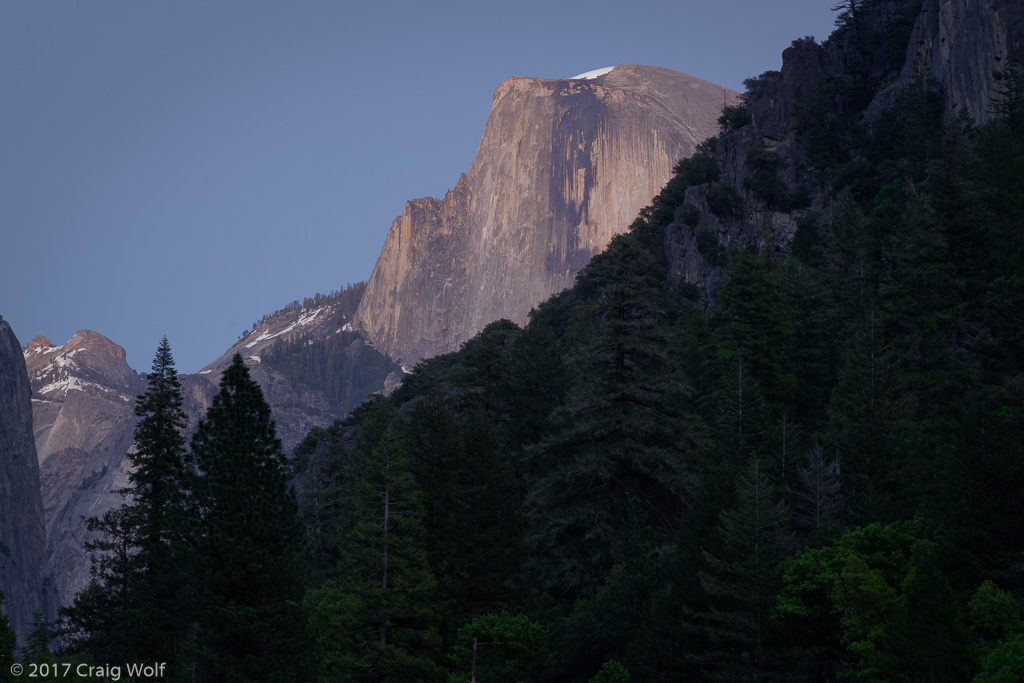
{"points": [[104, 618], [819, 499], [155, 508], [622, 433], [39, 640], [386, 567], [128, 610], [754, 322], [473, 519], [246, 539], [742, 577]]}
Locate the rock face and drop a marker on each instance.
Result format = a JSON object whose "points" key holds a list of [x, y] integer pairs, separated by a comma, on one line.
{"points": [[563, 166], [21, 506], [966, 46], [83, 401], [320, 331]]}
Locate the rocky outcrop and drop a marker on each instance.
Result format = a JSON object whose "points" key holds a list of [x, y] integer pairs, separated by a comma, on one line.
{"points": [[82, 391], [83, 401], [964, 49], [21, 506], [302, 392], [967, 48], [563, 166]]}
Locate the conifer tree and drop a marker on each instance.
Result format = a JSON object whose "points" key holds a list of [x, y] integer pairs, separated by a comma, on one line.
{"points": [[39, 639], [128, 611], [742, 577], [386, 567], [819, 499], [622, 433], [155, 508], [244, 567], [104, 618], [472, 506]]}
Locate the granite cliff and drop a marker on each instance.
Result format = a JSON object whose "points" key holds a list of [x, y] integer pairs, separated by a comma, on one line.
{"points": [[961, 52], [21, 507], [563, 166], [966, 48], [83, 399]]}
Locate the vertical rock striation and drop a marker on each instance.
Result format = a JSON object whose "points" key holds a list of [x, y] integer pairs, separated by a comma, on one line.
{"points": [[563, 166], [21, 506], [966, 47]]}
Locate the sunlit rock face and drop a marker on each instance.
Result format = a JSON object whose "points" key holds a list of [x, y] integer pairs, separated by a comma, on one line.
{"points": [[563, 166], [83, 403], [21, 507]]}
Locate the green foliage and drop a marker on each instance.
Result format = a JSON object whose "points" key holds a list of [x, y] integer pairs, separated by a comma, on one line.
{"points": [[156, 505], [764, 183], [622, 432], [690, 215], [1004, 664], [878, 595], [504, 648], [395, 616], [733, 118], [710, 248], [340, 366], [756, 85], [994, 616], [611, 672], [701, 167], [331, 614], [724, 201], [742, 576], [103, 617]]}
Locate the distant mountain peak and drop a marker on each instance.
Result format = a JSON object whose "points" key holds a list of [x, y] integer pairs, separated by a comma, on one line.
{"points": [[87, 362]]}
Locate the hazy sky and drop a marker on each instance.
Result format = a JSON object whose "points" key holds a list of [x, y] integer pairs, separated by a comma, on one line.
{"points": [[180, 168]]}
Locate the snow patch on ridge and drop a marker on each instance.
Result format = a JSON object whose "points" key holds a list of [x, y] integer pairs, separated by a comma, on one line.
{"points": [[304, 319], [588, 75]]}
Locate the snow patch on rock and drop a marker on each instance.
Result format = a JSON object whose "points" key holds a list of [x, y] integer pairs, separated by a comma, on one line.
{"points": [[588, 75]]}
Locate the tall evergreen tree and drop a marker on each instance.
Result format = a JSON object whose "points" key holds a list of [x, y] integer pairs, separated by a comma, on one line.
{"points": [[128, 612], [472, 504], [386, 569], [742, 578], [155, 508], [246, 539], [622, 433], [104, 618]]}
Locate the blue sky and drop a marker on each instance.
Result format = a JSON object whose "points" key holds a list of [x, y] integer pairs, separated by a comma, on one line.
{"points": [[182, 167]]}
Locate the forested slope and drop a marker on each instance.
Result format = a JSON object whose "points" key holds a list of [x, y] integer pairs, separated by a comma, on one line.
{"points": [[806, 467]]}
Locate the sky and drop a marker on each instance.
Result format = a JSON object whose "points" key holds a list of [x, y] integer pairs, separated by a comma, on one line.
{"points": [[180, 168]]}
